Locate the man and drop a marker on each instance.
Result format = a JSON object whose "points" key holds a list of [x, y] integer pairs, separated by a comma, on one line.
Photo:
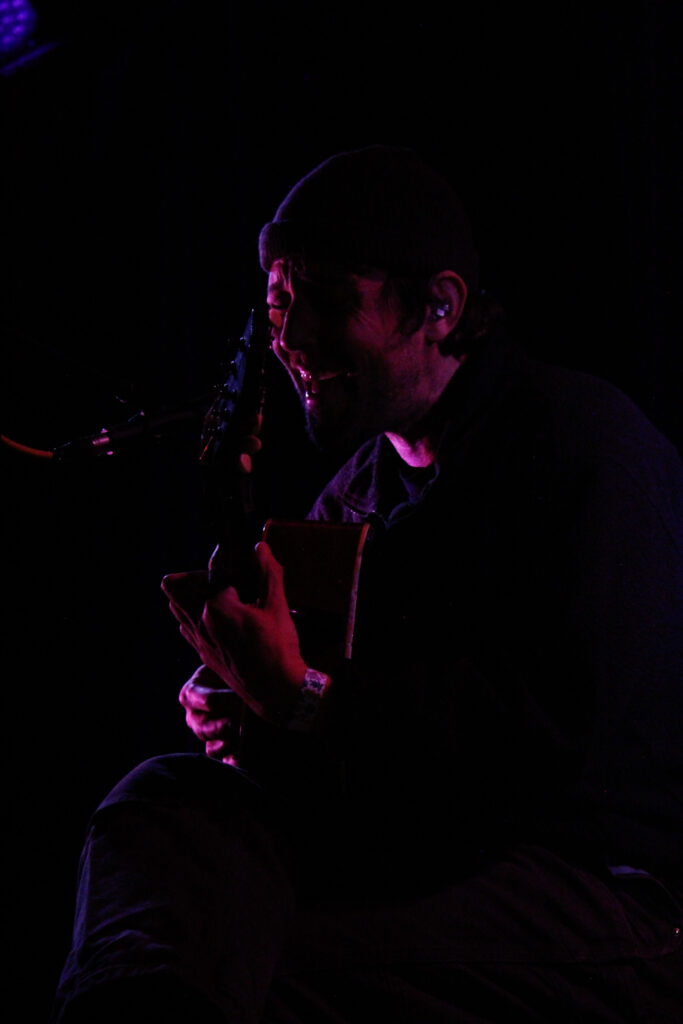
{"points": [[477, 816]]}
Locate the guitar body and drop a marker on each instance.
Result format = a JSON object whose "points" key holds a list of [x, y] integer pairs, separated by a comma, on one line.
{"points": [[321, 563]]}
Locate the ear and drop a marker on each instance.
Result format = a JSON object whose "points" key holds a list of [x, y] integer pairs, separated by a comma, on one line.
{"points": [[447, 297]]}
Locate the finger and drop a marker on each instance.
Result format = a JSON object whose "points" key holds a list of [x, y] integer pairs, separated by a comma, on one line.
{"points": [[217, 729], [223, 666], [222, 616], [256, 423], [210, 728], [217, 703], [220, 751], [176, 585], [205, 679], [186, 592], [182, 616], [211, 702], [252, 444], [220, 571], [194, 697], [189, 632], [272, 579]]}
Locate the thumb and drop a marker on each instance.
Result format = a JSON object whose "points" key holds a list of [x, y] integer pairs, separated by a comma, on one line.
{"points": [[272, 579]]}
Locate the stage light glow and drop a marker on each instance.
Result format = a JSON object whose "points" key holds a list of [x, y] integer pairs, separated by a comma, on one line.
{"points": [[17, 21]]}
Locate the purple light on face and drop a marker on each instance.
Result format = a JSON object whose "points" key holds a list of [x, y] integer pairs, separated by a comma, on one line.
{"points": [[17, 20]]}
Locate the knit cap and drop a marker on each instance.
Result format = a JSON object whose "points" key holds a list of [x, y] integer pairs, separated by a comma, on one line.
{"points": [[380, 206]]}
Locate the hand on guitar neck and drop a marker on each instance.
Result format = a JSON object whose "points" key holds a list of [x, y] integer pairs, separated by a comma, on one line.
{"points": [[252, 647], [320, 564]]}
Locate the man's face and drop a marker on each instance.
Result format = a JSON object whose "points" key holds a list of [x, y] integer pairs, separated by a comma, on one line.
{"points": [[356, 372]]}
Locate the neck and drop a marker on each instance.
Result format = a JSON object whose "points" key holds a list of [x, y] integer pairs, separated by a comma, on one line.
{"points": [[414, 453], [418, 447]]}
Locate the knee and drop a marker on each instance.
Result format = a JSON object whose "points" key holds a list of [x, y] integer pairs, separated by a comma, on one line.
{"points": [[182, 779]]}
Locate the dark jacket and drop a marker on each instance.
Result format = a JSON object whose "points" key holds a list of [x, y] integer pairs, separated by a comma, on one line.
{"points": [[517, 671]]}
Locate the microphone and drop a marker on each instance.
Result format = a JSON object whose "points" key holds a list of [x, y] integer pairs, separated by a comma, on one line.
{"points": [[220, 418], [140, 427]]}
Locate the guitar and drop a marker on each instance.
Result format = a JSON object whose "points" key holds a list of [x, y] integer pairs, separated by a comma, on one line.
{"points": [[321, 561]]}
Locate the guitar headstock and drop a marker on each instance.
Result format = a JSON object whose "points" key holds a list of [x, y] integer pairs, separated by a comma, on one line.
{"points": [[237, 406], [226, 446]]}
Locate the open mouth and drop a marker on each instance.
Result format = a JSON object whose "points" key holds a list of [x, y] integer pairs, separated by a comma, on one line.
{"points": [[312, 382]]}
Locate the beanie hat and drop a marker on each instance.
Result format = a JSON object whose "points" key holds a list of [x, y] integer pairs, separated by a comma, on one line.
{"points": [[380, 206]]}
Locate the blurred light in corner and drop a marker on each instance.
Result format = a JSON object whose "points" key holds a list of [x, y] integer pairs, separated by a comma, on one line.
{"points": [[19, 39], [17, 21]]}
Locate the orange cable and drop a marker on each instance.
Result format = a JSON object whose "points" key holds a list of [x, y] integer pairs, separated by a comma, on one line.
{"points": [[37, 452]]}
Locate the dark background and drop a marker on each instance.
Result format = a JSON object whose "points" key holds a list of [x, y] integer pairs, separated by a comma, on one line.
{"points": [[143, 149]]}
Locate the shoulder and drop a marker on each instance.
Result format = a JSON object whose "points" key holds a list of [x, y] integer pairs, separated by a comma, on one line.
{"points": [[588, 417], [596, 438], [529, 429]]}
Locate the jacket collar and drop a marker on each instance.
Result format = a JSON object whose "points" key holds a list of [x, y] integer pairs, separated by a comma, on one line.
{"points": [[371, 474]]}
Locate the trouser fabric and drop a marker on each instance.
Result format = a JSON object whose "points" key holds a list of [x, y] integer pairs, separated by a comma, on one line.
{"points": [[190, 906]]}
